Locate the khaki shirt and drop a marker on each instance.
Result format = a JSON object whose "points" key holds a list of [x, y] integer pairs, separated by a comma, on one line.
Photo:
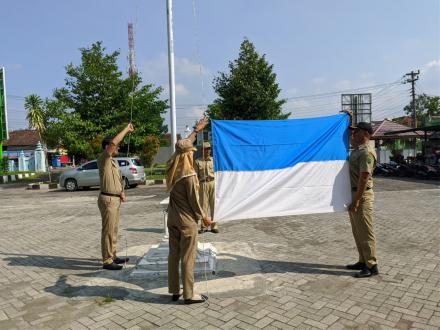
{"points": [[362, 159], [184, 203], [110, 180], [204, 169]]}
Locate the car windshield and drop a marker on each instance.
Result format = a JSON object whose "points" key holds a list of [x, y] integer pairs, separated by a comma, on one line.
{"points": [[90, 166], [123, 162], [136, 162]]}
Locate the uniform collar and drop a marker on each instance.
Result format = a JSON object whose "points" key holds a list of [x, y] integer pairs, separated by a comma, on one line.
{"points": [[362, 146]]}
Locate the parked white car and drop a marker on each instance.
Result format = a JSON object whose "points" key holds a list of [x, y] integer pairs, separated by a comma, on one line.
{"points": [[87, 175]]}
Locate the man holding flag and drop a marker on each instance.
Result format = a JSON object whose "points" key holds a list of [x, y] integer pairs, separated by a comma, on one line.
{"points": [[362, 163]]}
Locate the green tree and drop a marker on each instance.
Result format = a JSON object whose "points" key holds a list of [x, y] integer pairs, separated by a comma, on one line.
{"points": [[35, 113], [249, 90], [4, 167], [97, 100], [151, 147], [426, 107]]}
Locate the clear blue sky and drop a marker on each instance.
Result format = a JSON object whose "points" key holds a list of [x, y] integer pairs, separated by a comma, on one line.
{"points": [[316, 46]]}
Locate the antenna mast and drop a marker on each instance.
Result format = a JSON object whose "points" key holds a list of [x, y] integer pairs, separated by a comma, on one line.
{"points": [[132, 70]]}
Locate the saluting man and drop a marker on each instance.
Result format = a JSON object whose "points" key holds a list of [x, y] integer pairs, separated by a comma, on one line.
{"points": [[204, 167], [110, 198], [362, 163]]}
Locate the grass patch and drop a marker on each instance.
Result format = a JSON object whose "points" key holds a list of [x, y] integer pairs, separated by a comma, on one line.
{"points": [[155, 177], [101, 301], [156, 172]]}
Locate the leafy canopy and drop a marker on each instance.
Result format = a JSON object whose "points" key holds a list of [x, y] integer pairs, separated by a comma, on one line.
{"points": [[426, 107], [249, 90], [97, 101]]}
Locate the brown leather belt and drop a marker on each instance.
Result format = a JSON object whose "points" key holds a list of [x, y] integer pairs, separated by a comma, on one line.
{"points": [[207, 180], [110, 194]]}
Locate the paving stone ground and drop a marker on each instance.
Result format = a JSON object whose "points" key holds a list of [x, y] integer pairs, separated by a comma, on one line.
{"points": [[285, 273]]}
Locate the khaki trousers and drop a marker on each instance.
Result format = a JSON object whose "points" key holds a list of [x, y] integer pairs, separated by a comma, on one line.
{"points": [[109, 208], [362, 227], [207, 198], [183, 248]]}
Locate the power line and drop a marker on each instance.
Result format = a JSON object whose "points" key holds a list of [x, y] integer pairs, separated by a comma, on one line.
{"points": [[343, 91]]}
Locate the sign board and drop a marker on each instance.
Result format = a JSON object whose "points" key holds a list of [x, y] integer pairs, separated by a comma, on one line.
{"points": [[359, 104]]}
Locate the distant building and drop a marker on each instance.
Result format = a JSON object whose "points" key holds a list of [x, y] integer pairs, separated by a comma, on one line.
{"points": [[25, 151]]}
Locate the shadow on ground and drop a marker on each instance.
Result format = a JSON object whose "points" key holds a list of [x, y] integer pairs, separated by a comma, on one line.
{"points": [[102, 283]]}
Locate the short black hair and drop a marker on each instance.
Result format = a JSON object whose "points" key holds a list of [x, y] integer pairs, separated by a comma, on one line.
{"points": [[107, 141]]}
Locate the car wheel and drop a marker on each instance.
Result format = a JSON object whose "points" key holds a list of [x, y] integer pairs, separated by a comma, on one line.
{"points": [[133, 185], [71, 185], [126, 183]]}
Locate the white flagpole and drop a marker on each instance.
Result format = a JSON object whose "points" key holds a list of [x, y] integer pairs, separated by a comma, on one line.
{"points": [[171, 74]]}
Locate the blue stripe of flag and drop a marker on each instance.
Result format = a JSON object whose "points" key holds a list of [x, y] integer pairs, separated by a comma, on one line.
{"points": [[258, 145]]}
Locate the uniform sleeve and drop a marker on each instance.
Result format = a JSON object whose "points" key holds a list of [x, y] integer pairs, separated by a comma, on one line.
{"points": [[366, 163], [192, 191], [104, 159], [197, 168]]}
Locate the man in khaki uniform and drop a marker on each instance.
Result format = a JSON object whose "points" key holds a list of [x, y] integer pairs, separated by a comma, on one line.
{"points": [[205, 173], [362, 163], [110, 198], [184, 212]]}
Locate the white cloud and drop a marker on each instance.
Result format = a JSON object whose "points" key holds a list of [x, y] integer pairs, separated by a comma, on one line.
{"points": [[429, 78], [189, 91], [156, 70], [181, 90], [185, 67], [197, 111], [433, 65]]}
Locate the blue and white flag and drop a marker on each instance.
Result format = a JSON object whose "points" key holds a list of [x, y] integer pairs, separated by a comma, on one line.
{"points": [[268, 168]]}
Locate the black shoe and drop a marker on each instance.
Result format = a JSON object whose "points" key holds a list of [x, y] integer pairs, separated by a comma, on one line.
{"points": [[215, 231], [112, 266], [121, 260], [202, 231], [357, 266], [374, 270], [176, 297], [367, 272], [196, 301]]}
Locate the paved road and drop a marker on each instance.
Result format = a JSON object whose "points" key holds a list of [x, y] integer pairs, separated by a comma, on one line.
{"points": [[278, 273]]}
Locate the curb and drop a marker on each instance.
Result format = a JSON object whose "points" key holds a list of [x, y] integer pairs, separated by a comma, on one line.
{"points": [[42, 186], [14, 177], [153, 182]]}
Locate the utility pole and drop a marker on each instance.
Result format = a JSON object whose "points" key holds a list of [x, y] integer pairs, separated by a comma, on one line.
{"points": [[413, 76], [171, 75]]}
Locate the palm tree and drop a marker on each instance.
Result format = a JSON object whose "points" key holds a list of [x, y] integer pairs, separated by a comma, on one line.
{"points": [[36, 118], [35, 113]]}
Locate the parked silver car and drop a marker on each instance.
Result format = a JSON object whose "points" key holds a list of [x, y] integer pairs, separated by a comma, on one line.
{"points": [[87, 175]]}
